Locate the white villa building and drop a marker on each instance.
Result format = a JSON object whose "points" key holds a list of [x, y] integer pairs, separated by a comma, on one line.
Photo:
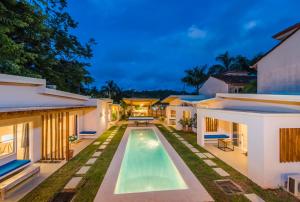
{"points": [[36, 123], [263, 128], [228, 82], [181, 107]]}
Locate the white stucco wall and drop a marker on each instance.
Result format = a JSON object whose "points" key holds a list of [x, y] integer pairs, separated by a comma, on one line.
{"points": [[279, 71], [264, 167], [213, 86], [26, 96]]}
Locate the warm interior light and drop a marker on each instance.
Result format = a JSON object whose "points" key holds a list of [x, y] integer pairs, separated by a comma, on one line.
{"points": [[7, 138]]}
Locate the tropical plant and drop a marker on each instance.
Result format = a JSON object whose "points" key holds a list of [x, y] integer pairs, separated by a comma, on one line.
{"points": [[183, 123], [195, 77], [251, 87], [111, 89], [194, 121], [226, 61], [36, 41]]}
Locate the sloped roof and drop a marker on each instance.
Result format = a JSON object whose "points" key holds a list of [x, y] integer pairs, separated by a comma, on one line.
{"points": [[235, 79], [282, 36]]}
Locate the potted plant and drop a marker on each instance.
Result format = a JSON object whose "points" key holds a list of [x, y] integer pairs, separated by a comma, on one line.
{"points": [[189, 124], [183, 123]]}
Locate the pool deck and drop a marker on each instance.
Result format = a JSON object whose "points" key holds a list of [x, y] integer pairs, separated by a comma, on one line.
{"points": [[195, 192]]}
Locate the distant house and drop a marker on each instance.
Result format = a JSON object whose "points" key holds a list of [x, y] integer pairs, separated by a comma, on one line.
{"points": [[229, 82], [279, 70]]}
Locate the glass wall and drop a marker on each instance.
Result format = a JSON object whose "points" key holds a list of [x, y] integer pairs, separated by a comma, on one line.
{"points": [[7, 140]]}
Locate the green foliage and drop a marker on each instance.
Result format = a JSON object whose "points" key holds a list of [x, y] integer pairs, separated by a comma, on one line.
{"points": [[111, 90], [226, 62], [36, 41], [251, 87], [195, 77]]}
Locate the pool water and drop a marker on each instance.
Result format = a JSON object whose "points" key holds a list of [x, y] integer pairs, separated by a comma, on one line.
{"points": [[146, 165]]}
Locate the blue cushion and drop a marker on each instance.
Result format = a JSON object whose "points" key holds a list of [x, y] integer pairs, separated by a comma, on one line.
{"points": [[11, 166], [217, 136], [88, 132]]}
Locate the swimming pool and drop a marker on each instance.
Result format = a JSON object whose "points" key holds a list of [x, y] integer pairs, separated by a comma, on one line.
{"points": [[146, 166]]}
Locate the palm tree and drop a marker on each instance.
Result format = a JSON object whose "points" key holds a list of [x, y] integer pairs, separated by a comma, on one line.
{"points": [[195, 77], [226, 61], [110, 89]]}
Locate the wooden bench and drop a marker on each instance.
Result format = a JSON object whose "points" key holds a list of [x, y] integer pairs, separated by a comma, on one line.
{"points": [[17, 179]]}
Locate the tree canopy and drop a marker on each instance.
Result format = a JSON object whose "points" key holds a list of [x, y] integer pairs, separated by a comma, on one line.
{"points": [[196, 76], [35, 41]]}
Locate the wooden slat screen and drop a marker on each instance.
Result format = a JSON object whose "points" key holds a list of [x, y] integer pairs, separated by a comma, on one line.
{"points": [[289, 148], [55, 136], [211, 124]]}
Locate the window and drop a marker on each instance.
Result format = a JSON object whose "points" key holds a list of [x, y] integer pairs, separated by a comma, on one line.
{"points": [[211, 124], [186, 115], [173, 114], [7, 140], [289, 140]]}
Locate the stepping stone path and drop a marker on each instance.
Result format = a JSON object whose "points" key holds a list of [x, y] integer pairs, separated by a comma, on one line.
{"points": [[105, 143], [72, 184], [83, 170], [193, 149], [210, 163], [91, 161], [102, 146], [184, 142], [190, 146], [221, 172], [97, 154], [200, 155], [209, 155], [180, 138], [96, 143], [253, 198]]}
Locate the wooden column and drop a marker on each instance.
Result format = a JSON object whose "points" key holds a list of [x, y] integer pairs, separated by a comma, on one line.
{"points": [[67, 136], [43, 136]]}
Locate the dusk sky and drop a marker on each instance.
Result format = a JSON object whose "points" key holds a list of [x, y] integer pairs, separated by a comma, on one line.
{"points": [[147, 44]]}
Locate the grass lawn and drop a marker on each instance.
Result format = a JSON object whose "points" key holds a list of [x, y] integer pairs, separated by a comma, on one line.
{"points": [[206, 175], [90, 184]]}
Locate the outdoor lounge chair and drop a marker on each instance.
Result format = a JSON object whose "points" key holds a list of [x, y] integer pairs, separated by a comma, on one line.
{"points": [[12, 167], [213, 138], [88, 134], [15, 180]]}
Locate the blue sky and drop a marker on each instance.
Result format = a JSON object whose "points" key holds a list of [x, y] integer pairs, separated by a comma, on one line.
{"points": [[147, 44]]}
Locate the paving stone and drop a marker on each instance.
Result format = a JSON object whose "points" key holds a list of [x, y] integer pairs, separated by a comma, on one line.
{"points": [[91, 161], [193, 149], [184, 142], [253, 198], [209, 155], [83, 170], [189, 145], [200, 155], [73, 183], [210, 162], [177, 136], [102, 146], [97, 154], [106, 143], [221, 172], [181, 139], [96, 143]]}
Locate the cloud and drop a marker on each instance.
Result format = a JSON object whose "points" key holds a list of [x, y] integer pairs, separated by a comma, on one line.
{"points": [[250, 25], [195, 33]]}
